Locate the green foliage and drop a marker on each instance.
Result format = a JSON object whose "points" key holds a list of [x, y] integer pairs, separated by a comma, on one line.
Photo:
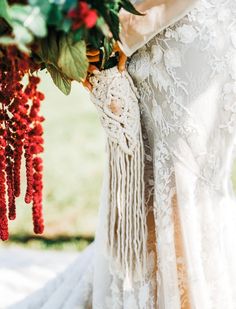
{"points": [[72, 58], [49, 49], [79, 34], [26, 22], [62, 51], [43, 5], [69, 4], [65, 26], [4, 11], [64, 60], [55, 17], [109, 10], [22, 36], [60, 79], [30, 18], [108, 44], [49, 55], [128, 6]]}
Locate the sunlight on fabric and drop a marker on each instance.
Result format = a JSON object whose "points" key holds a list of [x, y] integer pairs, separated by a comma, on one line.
{"points": [[25, 271]]}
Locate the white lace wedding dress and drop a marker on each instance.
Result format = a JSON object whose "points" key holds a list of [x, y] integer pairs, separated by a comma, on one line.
{"points": [[186, 79]]}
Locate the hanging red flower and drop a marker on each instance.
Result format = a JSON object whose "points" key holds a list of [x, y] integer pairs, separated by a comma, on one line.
{"points": [[83, 15], [20, 132]]}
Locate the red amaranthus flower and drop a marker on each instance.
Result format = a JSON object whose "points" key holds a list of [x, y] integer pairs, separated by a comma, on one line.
{"points": [[83, 15], [21, 132], [3, 203]]}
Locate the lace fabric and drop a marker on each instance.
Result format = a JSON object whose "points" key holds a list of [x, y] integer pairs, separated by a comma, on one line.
{"points": [[186, 79]]}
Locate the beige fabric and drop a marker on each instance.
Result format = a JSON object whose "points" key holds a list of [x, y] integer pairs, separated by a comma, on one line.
{"points": [[136, 31]]}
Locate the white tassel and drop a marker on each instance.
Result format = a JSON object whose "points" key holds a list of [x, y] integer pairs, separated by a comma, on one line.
{"points": [[116, 99]]}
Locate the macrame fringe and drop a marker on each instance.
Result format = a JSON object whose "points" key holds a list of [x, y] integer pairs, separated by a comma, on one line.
{"points": [[127, 214]]}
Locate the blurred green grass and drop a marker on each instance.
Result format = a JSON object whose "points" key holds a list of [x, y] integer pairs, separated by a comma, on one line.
{"points": [[73, 166]]}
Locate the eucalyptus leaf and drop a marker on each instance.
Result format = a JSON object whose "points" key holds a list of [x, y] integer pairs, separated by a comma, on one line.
{"points": [[4, 11], [24, 48], [44, 5], [22, 37], [6, 40], [22, 34], [30, 17], [72, 60], [60, 79]]}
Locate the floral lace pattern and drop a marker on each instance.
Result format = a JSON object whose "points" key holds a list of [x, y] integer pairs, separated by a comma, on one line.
{"points": [[186, 80]]}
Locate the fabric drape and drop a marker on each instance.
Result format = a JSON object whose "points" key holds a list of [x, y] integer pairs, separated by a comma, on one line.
{"points": [[136, 30]]}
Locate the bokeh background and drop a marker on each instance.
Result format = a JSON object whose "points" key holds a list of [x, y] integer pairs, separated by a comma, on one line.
{"points": [[73, 166]]}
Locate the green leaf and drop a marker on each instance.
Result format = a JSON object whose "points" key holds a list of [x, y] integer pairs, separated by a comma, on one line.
{"points": [[69, 4], [44, 5], [107, 49], [65, 25], [6, 40], [60, 79], [78, 35], [102, 26], [22, 34], [111, 18], [30, 17], [114, 24], [128, 6], [57, 2], [49, 53], [4, 11], [48, 49], [109, 10], [95, 38], [55, 17], [22, 37], [72, 60]]}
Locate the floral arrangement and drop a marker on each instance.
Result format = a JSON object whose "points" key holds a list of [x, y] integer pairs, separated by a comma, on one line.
{"points": [[35, 35]]}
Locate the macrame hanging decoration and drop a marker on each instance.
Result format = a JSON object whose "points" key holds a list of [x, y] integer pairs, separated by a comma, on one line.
{"points": [[115, 97]]}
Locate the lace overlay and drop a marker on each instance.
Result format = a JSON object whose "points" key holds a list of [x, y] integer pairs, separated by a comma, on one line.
{"points": [[186, 79]]}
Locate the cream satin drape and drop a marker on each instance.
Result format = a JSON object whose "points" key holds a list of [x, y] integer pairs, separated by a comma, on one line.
{"points": [[136, 31]]}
